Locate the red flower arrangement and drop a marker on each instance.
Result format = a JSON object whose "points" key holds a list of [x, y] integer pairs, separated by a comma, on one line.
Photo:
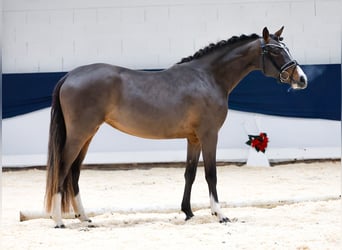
{"points": [[259, 142]]}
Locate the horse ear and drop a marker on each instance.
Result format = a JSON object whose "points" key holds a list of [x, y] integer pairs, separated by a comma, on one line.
{"points": [[266, 35], [279, 32]]}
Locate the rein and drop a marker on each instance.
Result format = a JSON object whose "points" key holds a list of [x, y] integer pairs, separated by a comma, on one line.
{"points": [[283, 74]]}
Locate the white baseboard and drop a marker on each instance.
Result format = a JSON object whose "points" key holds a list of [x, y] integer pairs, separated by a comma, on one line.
{"points": [[223, 155]]}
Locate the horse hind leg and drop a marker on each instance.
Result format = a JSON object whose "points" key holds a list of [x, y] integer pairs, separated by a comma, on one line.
{"points": [[68, 190], [62, 198], [76, 169], [56, 214]]}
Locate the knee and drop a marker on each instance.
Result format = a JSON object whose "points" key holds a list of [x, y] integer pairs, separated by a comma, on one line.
{"points": [[210, 176], [190, 174]]}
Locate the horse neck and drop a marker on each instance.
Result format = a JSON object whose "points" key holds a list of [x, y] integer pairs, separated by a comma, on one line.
{"points": [[231, 65]]}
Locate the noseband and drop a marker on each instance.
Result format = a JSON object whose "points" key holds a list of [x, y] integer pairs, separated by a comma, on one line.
{"points": [[284, 76]]}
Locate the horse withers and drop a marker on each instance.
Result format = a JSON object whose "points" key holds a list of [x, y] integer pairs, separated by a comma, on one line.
{"points": [[188, 100]]}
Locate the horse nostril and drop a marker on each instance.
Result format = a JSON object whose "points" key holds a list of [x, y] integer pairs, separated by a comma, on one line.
{"points": [[303, 82], [302, 79]]}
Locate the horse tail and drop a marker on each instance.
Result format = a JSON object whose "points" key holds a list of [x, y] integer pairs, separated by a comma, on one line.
{"points": [[57, 138]]}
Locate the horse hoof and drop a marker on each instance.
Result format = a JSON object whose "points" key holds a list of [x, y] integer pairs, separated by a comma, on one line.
{"points": [[60, 226], [82, 218], [188, 217], [86, 220], [224, 220]]}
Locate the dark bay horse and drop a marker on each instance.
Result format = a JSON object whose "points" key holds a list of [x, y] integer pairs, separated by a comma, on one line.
{"points": [[188, 100]]}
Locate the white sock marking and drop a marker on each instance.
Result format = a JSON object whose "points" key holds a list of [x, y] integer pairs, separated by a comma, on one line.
{"points": [[216, 209], [79, 210], [57, 209]]}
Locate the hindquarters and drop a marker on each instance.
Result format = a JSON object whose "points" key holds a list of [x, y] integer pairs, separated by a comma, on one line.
{"points": [[65, 155], [78, 109]]}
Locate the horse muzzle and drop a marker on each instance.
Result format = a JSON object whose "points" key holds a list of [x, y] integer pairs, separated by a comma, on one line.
{"points": [[296, 77], [301, 84]]}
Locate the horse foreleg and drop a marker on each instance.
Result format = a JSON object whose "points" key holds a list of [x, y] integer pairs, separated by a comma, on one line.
{"points": [[216, 209], [209, 157], [193, 154]]}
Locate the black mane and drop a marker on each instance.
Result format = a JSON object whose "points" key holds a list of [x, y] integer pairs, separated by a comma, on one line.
{"points": [[212, 47]]}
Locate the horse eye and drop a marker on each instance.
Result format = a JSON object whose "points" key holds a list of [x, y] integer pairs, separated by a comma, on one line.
{"points": [[276, 51]]}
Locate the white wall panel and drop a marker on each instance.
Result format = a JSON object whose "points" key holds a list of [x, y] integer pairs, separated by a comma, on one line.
{"points": [[73, 30]]}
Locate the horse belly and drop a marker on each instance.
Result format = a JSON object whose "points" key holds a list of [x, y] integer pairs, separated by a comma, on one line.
{"points": [[151, 127]]}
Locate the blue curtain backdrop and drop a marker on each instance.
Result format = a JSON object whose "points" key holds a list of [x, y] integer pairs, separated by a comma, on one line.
{"points": [[23, 93]]}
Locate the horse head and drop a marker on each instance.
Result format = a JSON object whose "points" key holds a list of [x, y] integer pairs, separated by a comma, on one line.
{"points": [[277, 61]]}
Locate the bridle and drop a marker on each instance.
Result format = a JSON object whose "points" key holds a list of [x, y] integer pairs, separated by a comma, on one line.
{"points": [[284, 76]]}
